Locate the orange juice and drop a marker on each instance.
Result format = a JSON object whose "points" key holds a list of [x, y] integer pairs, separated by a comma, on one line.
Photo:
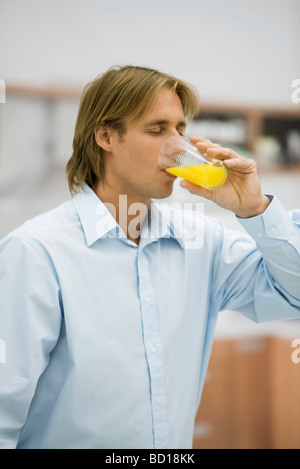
{"points": [[205, 175]]}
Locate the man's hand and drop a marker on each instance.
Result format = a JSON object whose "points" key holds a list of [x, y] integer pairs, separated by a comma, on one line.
{"points": [[242, 191]]}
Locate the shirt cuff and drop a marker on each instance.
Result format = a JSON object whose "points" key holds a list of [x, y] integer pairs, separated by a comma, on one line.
{"points": [[274, 225]]}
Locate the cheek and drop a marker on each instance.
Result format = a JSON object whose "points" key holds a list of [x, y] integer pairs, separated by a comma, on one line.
{"points": [[151, 153], [142, 157]]}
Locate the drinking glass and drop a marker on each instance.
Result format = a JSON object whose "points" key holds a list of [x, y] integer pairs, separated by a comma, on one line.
{"points": [[178, 156]]}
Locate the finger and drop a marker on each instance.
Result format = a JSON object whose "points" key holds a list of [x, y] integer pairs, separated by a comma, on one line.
{"points": [[213, 149], [205, 144], [244, 165], [194, 189], [199, 139], [221, 153]]}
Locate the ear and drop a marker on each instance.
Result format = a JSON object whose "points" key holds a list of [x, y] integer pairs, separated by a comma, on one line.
{"points": [[103, 136]]}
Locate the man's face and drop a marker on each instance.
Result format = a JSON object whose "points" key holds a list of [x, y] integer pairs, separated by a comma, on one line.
{"points": [[132, 165]]}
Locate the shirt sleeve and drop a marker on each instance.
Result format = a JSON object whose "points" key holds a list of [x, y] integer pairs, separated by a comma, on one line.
{"points": [[30, 318], [261, 275]]}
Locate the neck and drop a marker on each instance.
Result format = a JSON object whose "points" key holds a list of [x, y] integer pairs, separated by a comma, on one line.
{"points": [[128, 210]]}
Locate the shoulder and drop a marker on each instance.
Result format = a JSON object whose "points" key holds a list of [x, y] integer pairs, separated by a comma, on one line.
{"points": [[53, 224]]}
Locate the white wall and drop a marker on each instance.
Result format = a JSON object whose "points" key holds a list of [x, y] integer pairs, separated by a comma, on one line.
{"points": [[231, 50]]}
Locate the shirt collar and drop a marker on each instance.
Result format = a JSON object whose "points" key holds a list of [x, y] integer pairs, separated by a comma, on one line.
{"points": [[161, 223], [97, 221]]}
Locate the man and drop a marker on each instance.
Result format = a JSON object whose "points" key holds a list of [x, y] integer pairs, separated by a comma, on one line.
{"points": [[108, 329]]}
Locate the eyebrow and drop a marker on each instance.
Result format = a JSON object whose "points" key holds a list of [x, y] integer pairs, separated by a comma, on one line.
{"points": [[164, 122]]}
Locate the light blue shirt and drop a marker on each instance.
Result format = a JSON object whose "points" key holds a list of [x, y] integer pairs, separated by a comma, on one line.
{"points": [[105, 343]]}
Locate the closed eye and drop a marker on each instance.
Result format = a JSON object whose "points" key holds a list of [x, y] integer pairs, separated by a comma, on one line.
{"points": [[162, 126], [156, 132]]}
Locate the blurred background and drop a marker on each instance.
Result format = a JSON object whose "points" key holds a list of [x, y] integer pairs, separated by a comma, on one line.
{"points": [[244, 59]]}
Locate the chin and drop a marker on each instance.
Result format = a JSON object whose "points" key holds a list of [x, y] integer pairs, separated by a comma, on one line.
{"points": [[162, 193]]}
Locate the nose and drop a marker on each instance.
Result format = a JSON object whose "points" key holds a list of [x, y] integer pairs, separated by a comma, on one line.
{"points": [[174, 132]]}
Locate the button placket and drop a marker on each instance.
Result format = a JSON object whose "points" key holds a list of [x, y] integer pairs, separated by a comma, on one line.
{"points": [[154, 354]]}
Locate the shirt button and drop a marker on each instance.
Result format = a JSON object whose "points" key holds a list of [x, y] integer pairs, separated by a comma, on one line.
{"points": [[147, 299], [273, 229], [158, 400], [259, 234], [153, 349]]}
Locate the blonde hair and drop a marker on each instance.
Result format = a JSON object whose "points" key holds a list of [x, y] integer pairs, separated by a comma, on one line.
{"points": [[112, 98]]}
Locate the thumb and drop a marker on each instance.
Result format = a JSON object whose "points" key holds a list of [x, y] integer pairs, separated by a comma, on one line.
{"points": [[194, 189]]}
